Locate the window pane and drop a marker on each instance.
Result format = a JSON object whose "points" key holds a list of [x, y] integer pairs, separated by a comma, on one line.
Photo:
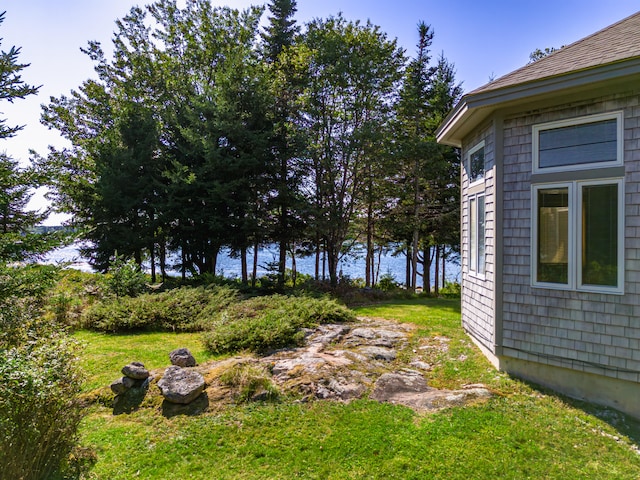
{"points": [[578, 144], [600, 235], [481, 235], [476, 165], [473, 235], [553, 235]]}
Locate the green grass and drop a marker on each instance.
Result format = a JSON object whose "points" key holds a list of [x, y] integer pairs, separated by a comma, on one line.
{"points": [[522, 433], [105, 354]]}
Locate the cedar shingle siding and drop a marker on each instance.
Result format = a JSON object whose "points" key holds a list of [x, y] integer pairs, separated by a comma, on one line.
{"points": [[584, 344], [478, 293], [590, 332]]}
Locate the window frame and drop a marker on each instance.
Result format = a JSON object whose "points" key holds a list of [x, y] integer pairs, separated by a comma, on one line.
{"points": [[575, 227], [474, 236], [474, 149], [535, 142]]}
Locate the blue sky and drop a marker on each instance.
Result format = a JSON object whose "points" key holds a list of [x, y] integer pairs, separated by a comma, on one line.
{"points": [[483, 39]]}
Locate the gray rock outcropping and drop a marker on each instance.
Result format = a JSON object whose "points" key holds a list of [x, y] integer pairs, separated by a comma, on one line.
{"points": [[180, 385]]}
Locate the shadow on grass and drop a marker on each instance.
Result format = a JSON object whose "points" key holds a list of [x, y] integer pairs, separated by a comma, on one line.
{"points": [[197, 407], [130, 400], [626, 425]]}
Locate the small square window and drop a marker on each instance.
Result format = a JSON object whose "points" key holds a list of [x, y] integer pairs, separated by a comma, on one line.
{"points": [[475, 163]]}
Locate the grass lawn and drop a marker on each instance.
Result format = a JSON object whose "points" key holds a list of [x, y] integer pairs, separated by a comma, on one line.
{"points": [[522, 433]]}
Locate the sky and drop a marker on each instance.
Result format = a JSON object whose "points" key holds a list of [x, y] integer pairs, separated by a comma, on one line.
{"points": [[483, 39]]}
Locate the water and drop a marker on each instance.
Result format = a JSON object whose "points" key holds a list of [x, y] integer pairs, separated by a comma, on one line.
{"points": [[352, 266]]}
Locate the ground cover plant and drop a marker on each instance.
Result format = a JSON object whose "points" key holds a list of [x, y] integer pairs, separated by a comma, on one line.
{"points": [[183, 309], [523, 432], [268, 323]]}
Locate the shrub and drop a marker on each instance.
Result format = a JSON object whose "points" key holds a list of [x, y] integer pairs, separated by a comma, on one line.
{"points": [[125, 278], [22, 293], [261, 324], [39, 411], [451, 290], [387, 282], [183, 309]]}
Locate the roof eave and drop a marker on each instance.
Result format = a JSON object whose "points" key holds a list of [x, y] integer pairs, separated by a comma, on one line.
{"points": [[474, 108]]}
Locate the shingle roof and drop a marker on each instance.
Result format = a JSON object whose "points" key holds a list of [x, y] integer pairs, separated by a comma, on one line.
{"points": [[615, 43]]}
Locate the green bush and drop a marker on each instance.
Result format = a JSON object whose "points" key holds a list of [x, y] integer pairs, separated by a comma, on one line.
{"points": [[184, 309], [125, 278], [22, 296], [39, 410], [261, 324], [451, 290]]}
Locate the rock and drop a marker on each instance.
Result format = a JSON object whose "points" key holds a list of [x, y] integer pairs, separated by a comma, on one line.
{"points": [[421, 365], [378, 353], [390, 385], [197, 407], [409, 388], [380, 337], [135, 370], [326, 334], [181, 386], [182, 358], [341, 389], [122, 384]]}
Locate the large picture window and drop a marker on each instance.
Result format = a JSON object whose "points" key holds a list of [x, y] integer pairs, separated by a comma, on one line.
{"points": [[577, 236], [477, 234]]}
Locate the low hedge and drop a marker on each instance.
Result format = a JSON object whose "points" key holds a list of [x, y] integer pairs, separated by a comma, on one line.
{"points": [[182, 310], [262, 324]]}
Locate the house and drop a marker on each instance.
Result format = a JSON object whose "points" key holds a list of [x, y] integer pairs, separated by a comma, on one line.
{"points": [[551, 217]]}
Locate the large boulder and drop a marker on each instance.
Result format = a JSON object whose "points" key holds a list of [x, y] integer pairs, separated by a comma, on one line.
{"points": [[179, 385], [182, 358]]}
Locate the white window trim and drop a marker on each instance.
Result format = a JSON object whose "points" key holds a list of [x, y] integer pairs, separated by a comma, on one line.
{"points": [[534, 237], [579, 121], [471, 151], [473, 266], [574, 280], [620, 252]]}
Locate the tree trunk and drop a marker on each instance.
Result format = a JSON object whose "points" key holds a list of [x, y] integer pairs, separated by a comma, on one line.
{"points": [[294, 269], [414, 259], [254, 274], [282, 262], [443, 266], [152, 255], [407, 280], [436, 277], [243, 261], [163, 260], [368, 275], [426, 278]]}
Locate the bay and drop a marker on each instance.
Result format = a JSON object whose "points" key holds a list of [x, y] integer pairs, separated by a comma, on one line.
{"points": [[352, 266]]}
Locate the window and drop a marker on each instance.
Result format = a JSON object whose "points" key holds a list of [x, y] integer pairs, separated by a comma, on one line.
{"points": [[577, 236], [476, 234], [475, 163], [585, 142]]}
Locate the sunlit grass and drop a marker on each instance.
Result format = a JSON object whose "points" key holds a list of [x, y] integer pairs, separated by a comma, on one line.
{"points": [[522, 433], [106, 354]]}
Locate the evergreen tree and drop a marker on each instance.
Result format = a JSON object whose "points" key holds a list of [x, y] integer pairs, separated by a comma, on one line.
{"points": [[288, 167], [428, 180]]}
